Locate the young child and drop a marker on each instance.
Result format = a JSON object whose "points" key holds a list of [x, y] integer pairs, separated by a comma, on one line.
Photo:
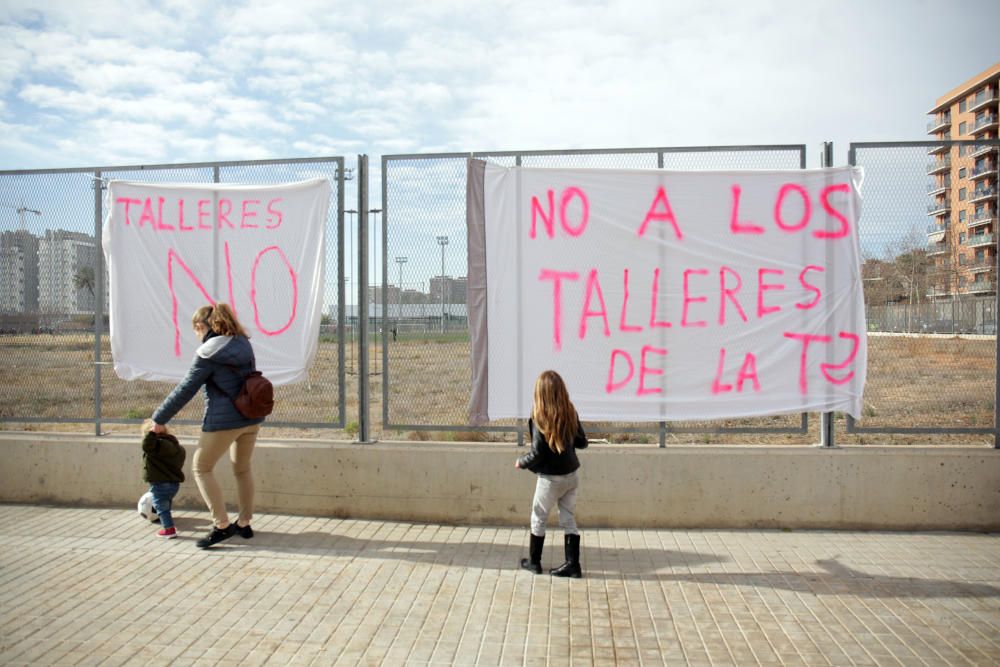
{"points": [[556, 434], [163, 468]]}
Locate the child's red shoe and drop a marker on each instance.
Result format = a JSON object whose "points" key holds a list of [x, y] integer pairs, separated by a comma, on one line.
{"points": [[167, 533]]}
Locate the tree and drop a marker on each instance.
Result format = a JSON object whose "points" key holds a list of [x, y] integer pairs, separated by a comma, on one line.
{"points": [[911, 266], [84, 279]]}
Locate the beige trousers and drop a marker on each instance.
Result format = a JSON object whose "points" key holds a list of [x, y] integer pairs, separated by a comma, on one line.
{"points": [[211, 446]]}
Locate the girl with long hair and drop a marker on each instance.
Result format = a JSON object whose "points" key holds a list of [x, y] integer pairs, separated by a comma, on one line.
{"points": [[556, 434]]}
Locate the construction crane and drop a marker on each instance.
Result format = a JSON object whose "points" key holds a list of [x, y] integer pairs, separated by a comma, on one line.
{"points": [[21, 210]]}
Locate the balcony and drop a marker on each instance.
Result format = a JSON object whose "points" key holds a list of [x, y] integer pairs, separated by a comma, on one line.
{"points": [[983, 266], [942, 148], [981, 286], [982, 194], [939, 207], [938, 166], [936, 249], [936, 233], [938, 188], [984, 170], [984, 218], [940, 226], [937, 291], [979, 240], [982, 150], [938, 123], [983, 99], [987, 122]]}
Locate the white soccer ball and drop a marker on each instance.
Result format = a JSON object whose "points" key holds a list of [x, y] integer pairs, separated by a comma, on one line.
{"points": [[145, 507]]}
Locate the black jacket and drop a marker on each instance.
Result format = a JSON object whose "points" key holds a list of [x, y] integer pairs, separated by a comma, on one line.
{"points": [[162, 458], [541, 459], [220, 365]]}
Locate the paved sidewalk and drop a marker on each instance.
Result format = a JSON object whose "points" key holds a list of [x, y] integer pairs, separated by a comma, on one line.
{"points": [[97, 587]]}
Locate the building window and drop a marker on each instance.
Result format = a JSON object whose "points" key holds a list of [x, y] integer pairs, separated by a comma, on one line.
{"points": [[962, 172], [962, 106], [961, 151], [961, 259], [961, 128], [961, 216], [961, 237], [961, 194]]}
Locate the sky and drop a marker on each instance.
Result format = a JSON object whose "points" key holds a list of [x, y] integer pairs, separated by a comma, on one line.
{"points": [[108, 82], [111, 83]]}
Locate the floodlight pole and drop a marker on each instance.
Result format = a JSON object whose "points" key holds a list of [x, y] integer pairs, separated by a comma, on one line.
{"points": [[400, 261], [379, 288], [350, 274], [442, 241]]}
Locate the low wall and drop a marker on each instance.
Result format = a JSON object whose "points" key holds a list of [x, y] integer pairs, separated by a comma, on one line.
{"points": [[895, 488]]}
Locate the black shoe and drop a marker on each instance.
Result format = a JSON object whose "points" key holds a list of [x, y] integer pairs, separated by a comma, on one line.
{"points": [[246, 532], [567, 569], [534, 561], [531, 567], [571, 568], [217, 535]]}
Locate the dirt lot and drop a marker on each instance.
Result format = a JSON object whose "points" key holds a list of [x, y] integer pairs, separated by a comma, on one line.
{"points": [[925, 381]]}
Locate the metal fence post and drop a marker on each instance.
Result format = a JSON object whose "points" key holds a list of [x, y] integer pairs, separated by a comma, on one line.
{"points": [[996, 330], [363, 398], [826, 419], [99, 305], [341, 380]]}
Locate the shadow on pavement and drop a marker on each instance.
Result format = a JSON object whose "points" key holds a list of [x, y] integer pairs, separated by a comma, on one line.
{"points": [[613, 563], [838, 579], [608, 562]]}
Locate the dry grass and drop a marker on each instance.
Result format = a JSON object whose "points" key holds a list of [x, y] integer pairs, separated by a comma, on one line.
{"points": [[923, 381]]}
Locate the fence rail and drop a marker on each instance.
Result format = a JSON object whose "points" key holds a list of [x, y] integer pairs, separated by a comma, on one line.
{"points": [[403, 332], [54, 284]]}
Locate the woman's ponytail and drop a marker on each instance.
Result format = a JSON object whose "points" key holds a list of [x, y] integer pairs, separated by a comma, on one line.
{"points": [[223, 321]]}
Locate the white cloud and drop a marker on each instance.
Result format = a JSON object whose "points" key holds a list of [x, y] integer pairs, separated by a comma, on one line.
{"points": [[321, 144], [340, 77], [233, 147]]}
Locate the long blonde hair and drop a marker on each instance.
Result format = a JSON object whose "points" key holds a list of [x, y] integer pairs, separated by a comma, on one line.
{"points": [[221, 319], [553, 412]]}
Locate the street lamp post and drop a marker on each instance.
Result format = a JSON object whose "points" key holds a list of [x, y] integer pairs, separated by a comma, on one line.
{"points": [[400, 261], [442, 241]]}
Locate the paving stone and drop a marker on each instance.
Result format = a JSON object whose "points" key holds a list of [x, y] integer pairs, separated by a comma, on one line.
{"points": [[320, 591]]}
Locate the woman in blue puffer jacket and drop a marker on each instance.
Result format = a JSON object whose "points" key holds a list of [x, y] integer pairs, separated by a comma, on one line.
{"points": [[220, 365]]}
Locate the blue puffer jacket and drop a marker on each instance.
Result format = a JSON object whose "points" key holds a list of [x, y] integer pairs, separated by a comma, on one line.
{"points": [[220, 364]]}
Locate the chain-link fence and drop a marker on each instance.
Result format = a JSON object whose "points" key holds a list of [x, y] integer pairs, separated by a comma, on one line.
{"points": [[929, 272], [929, 254], [421, 302], [55, 353]]}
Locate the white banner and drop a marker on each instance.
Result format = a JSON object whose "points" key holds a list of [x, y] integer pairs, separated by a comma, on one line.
{"points": [[663, 295], [171, 249]]}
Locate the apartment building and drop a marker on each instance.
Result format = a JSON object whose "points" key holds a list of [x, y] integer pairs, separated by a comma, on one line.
{"points": [[18, 272], [61, 256], [962, 237]]}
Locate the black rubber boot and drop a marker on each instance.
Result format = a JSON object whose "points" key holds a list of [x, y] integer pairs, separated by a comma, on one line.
{"points": [[534, 560], [571, 568]]}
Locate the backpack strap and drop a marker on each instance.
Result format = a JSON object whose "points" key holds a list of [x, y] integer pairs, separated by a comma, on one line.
{"points": [[236, 369]]}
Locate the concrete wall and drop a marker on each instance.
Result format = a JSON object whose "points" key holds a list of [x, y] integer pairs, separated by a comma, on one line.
{"points": [[897, 488]]}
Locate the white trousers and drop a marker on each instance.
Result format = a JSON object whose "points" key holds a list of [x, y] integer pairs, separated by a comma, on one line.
{"points": [[550, 490]]}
